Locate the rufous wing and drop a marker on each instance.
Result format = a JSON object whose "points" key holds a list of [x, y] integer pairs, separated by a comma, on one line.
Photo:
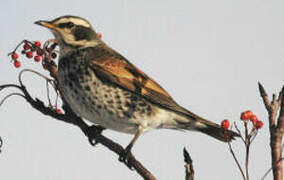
{"points": [[122, 73]]}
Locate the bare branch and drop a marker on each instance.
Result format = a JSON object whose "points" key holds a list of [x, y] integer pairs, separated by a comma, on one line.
{"points": [[236, 160], [12, 94], [276, 130], [189, 171], [270, 169], [280, 124], [1, 144], [264, 96]]}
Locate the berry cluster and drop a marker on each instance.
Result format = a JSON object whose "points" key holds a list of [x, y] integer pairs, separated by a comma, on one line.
{"points": [[249, 116], [246, 117], [35, 50], [28, 50]]}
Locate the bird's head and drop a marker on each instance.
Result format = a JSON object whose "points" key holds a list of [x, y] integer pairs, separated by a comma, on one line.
{"points": [[71, 31]]}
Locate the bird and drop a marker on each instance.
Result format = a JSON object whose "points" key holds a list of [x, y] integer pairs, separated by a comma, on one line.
{"points": [[102, 86]]}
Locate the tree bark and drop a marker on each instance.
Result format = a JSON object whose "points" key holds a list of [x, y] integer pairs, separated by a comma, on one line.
{"points": [[276, 128]]}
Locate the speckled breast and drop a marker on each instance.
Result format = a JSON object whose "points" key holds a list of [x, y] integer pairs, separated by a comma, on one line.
{"points": [[100, 102]]}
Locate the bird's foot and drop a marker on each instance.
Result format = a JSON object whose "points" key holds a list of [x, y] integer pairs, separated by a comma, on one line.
{"points": [[92, 132], [125, 157]]}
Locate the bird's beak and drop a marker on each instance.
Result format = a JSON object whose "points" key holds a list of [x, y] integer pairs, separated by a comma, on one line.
{"points": [[46, 24]]}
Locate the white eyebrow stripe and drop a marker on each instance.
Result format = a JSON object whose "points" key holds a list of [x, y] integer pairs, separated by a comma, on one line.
{"points": [[76, 21]]}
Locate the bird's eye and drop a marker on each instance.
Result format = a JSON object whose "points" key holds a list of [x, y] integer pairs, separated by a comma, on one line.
{"points": [[68, 25]]}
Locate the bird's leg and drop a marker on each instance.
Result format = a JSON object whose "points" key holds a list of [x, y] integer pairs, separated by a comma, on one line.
{"points": [[124, 157]]}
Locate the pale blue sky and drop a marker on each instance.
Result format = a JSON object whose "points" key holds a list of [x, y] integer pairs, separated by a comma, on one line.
{"points": [[208, 54]]}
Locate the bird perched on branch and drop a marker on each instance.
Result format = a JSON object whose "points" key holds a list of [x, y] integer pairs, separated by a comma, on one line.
{"points": [[102, 86]]}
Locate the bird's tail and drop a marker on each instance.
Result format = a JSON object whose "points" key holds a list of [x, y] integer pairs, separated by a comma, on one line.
{"points": [[212, 129]]}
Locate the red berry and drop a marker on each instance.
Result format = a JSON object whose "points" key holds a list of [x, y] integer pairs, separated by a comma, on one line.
{"points": [[253, 119], [37, 43], [27, 47], [37, 58], [246, 115], [59, 111], [15, 56], [99, 35], [258, 124], [29, 54], [225, 124], [39, 52], [17, 63]]}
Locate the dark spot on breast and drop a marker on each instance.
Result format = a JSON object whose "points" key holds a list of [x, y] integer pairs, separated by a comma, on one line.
{"points": [[130, 105], [99, 106], [79, 71], [149, 110], [110, 101], [127, 114], [87, 87], [127, 94], [117, 96], [142, 104], [72, 60], [87, 73], [118, 102], [75, 91], [110, 112], [73, 77], [106, 96]]}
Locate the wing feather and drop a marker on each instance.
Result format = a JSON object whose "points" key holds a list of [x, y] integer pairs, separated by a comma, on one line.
{"points": [[117, 70]]}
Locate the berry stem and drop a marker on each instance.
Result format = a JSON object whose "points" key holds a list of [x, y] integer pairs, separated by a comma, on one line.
{"points": [[236, 160], [239, 131], [247, 144], [22, 42]]}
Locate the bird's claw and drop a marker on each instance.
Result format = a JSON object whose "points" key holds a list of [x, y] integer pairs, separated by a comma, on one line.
{"points": [[125, 157], [92, 132]]}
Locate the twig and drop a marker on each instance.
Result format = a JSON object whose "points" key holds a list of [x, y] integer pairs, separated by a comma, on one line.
{"points": [[239, 131], [189, 171], [247, 144], [1, 144], [9, 95], [270, 169], [236, 161]]}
